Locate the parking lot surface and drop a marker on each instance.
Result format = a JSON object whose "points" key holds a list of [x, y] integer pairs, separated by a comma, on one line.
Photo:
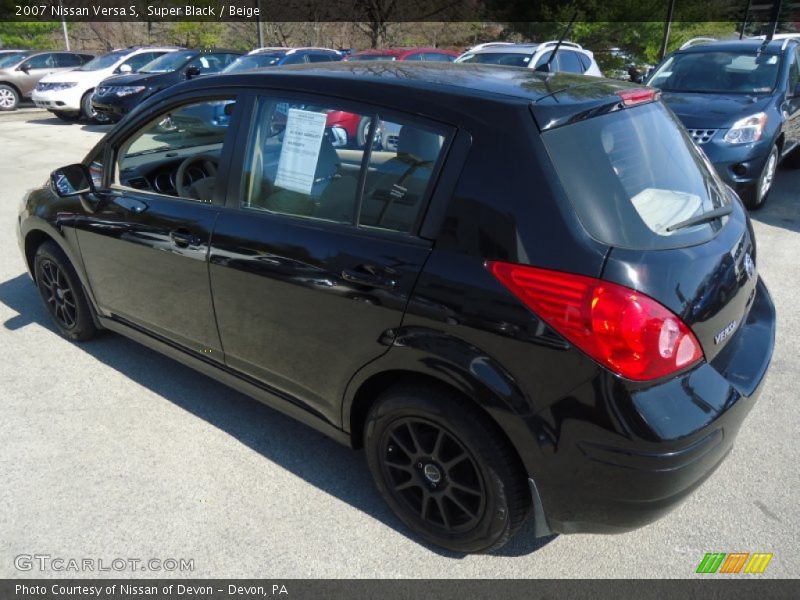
{"points": [[110, 450]]}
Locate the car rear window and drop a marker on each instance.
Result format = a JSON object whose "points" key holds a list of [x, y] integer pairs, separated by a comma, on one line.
{"points": [[632, 174]]}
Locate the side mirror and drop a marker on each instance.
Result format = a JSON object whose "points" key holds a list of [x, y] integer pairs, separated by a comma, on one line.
{"points": [[25, 68], [192, 72], [72, 180], [125, 69]]}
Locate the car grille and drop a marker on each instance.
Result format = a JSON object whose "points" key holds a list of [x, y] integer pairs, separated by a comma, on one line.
{"points": [[702, 136]]}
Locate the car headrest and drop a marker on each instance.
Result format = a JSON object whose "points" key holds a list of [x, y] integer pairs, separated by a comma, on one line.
{"points": [[421, 145]]}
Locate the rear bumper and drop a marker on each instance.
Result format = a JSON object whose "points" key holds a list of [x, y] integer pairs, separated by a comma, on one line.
{"points": [[659, 443]]}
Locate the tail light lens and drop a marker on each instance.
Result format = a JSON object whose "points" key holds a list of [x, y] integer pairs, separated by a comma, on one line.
{"points": [[625, 331]]}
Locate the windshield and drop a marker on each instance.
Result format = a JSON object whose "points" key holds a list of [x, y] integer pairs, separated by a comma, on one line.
{"points": [[511, 59], [168, 62], [254, 61], [7, 60], [634, 173], [103, 62], [718, 72], [372, 57]]}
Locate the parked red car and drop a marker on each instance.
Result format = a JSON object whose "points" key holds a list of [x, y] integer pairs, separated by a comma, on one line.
{"points": [[429, 54]]}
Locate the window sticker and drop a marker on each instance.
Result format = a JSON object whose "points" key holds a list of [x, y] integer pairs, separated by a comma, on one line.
{"points": [[302, 140]]}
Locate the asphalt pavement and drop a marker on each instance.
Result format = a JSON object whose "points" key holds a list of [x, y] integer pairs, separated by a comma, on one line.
{"points": [[110, 451]]}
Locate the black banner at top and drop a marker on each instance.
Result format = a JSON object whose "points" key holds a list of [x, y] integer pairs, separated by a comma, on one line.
{"points": [[390, 10]]}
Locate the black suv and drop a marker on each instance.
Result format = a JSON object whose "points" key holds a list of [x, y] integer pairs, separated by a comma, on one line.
{"points": [[116, 96], [740, 101], [577, 341]]}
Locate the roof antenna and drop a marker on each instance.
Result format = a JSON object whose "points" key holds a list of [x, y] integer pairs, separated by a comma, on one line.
{"points": [[546, 66], [776, 11], [744, 23]]}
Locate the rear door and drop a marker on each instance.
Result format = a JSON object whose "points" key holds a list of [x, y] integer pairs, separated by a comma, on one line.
{"points": [[316, 253]]}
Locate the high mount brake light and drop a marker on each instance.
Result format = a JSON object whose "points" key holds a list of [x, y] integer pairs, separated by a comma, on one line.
{"points": [[625, 331], [638, 96]]}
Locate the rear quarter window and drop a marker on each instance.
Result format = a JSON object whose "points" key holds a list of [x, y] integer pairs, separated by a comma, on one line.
{"points": [[633, 173]]}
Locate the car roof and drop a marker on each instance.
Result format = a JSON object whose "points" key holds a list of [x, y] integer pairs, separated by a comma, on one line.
{"points": [[500, 83], [398, 51], [771, 47]]}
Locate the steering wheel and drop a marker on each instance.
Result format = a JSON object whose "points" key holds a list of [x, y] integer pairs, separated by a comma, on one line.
{"points": [[202, 189]]}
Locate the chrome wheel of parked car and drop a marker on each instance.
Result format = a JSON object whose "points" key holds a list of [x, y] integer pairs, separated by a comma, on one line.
{"points": [[757, 196], [9, 98]]}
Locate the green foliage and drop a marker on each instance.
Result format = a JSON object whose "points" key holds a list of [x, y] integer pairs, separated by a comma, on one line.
{"points": [[35, 35], [194, 34]]}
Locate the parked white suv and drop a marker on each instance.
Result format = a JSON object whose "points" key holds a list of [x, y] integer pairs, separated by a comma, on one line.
{"points": [[570, 58], [68, 94]]}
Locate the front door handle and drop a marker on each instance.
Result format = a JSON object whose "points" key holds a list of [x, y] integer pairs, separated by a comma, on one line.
{"points": [[183, 238], [368, 279]]}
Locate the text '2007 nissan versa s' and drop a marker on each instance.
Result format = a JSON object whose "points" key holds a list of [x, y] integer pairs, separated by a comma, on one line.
{"points": [[542, 303]]}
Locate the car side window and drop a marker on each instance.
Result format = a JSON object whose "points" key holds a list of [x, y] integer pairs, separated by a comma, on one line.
{"points": [[66, 59], [302, 162], [295, 59], [178, 152], [569, 62], [794, 73], [543, 59], [416, 56], [211, 63], [41, 61], [316, 58], [439, 57], [403, 160], [585, 61], [137, 61]]}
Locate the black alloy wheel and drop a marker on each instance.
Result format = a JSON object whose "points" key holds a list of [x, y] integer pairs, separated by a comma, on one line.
{"points": [[445, 468], [62, 293], [433, 474], [58, 295]]}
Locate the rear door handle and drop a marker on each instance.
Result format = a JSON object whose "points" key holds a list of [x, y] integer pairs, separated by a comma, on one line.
{"points": [[183, 238], [368, 280]]}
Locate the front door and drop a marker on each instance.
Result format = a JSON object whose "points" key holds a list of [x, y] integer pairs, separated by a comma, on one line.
{"points": [[146, 247], [316, 254]]}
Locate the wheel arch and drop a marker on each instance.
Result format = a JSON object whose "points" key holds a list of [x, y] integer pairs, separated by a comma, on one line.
{"points": [[14, 87], [461, 368]]}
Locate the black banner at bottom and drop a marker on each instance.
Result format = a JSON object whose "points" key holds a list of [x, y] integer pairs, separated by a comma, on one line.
{"points": [[391, 589]]}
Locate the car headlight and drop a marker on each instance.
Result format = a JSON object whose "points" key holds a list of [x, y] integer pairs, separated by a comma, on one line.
{"points": [[55, 87], [127, 90], [747, 130]]}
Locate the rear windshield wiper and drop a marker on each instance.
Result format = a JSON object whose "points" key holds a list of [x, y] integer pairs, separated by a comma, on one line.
{"points": [[706, 217]]}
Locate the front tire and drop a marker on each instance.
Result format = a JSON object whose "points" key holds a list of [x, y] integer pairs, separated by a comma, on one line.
{"points": [[89, 114], [62, 293], [9, 98], [445, 470], [757, 197]]}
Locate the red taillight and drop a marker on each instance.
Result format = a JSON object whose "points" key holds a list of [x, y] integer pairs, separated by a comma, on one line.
{"points": [[622, 329], [637, 96]]}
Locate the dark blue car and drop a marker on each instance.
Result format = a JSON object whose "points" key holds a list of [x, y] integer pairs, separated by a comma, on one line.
{"points": [[740, 101]]}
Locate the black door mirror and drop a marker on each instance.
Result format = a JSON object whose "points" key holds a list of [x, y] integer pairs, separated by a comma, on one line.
{"points": [[192, 72], [25, 68], [72, 180]]}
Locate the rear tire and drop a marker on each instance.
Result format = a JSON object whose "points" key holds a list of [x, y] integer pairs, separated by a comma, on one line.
{"points": [[9, 98], [444, 469], [62, 293]]}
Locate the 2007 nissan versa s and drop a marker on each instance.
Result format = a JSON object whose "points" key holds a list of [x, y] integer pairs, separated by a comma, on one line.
{"points": [[544, 303]]}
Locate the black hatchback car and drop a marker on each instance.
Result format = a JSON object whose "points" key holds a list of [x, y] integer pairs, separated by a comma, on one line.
{"points": [[740, 101], [116, 96], [577, 341]]}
